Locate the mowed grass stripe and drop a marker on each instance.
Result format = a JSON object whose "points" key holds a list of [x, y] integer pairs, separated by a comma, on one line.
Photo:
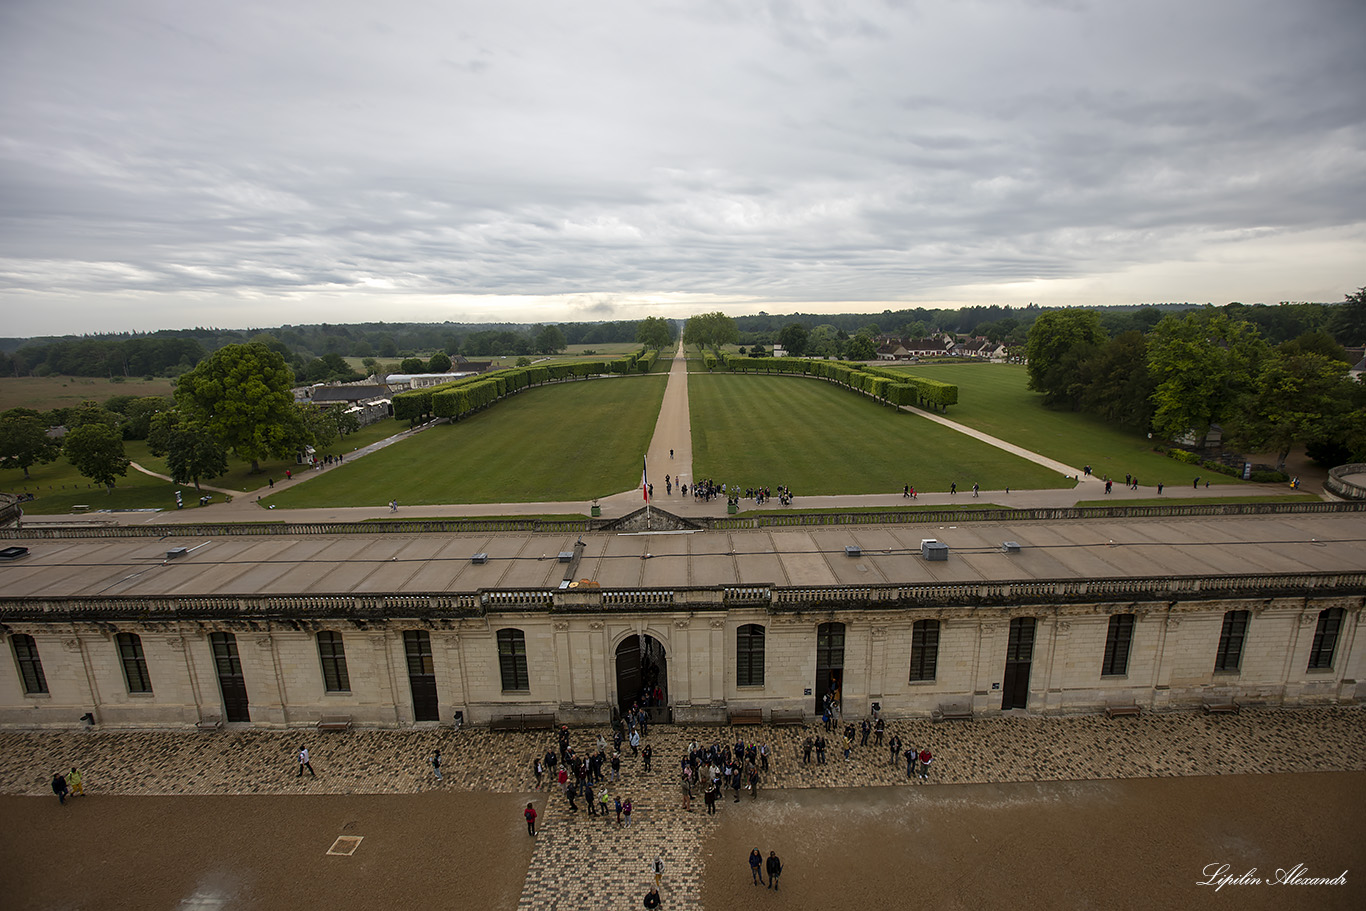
{"points": [[995, 399], [823, 440], [571, 441]]}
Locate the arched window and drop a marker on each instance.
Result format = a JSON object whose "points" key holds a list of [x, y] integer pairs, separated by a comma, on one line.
{"points": [[333, 655], [749, 655], [512, 660], [924, 650], [30, 666], [134, 663]]}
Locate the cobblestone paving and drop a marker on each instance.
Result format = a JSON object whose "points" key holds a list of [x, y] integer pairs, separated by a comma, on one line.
{"points": [[582, 861]]}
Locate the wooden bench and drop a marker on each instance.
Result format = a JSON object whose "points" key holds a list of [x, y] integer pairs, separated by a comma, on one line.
{"points": [[209, 722], [787, 717], [524, 722], [1115, 711], [747, 716], [334, 723], [1220, 708], [955, 711]]}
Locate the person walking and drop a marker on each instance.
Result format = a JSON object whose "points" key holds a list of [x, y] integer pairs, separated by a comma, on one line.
{"points": [[953, 487], [59, 788], [626, 808], [530, 814], [926, 757], [756, 867], [659, 870], [647, 754], [305, 763], [436, 767], [652, 898], [605, 805], [74, 782], [974, 489], [538, 769], [775, 869], [911, 756]]}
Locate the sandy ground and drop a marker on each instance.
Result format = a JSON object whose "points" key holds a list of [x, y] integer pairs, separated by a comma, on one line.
{"points": [[436, 850], [1140, 844]]}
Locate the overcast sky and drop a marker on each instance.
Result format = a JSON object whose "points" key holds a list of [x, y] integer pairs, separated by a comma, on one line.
{"points": [[182, 163]]}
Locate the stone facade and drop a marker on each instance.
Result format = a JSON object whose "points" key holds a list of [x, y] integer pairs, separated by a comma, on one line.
{"points": [[570, 660]]}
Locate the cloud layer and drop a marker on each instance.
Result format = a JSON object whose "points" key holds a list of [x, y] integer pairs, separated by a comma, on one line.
{"points": [[167, 164]]}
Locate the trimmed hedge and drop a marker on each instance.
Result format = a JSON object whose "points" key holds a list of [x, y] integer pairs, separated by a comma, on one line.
{"points": [[885, 385]]}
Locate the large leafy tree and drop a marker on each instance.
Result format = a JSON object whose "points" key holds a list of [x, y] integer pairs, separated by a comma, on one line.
{"points": [[860, 348], [1059, 342], [193, 453], [241, 394], [439, 363], [1116, 384], [24, 441], [1201, 364], [1297, 398], [549, 340], [710, 330], [1349, 319], [793, 338], [96, 451], [655, 332]]}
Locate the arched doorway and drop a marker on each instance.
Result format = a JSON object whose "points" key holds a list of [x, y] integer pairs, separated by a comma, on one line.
{"points": [[642, 675]]}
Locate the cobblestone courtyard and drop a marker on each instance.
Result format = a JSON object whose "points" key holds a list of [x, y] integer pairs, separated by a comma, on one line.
{"points": [[583, 862]]}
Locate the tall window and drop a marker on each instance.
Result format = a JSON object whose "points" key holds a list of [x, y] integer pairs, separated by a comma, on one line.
{"points": [[134, 663], [333, 655], [1230, 653], [749, 655], [30, 666], [512, 659], [1325, 639], [924, 649], [1117, 643]]}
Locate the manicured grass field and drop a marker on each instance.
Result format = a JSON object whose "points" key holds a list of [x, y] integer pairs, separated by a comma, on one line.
{"points": [[569, 441], [42, 393], [821, 439], [993, 398]]}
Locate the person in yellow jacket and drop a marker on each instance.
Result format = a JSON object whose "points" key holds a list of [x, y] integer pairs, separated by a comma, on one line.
{"points": [[74, 782]]}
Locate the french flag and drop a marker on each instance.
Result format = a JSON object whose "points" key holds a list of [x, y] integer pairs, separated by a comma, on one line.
{"points": [[644, 484]]}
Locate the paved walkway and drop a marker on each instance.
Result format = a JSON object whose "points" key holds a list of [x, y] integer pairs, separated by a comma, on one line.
{"points": [[580, 859]]}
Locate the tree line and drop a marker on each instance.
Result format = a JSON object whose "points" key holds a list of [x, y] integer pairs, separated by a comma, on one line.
{"points": [[1213, 366]]}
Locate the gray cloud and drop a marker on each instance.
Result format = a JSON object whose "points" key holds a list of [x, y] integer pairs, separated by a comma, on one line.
{"points": [[173, 163]]}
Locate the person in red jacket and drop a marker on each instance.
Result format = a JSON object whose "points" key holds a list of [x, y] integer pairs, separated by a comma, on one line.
{"points": [[926, 757], [530, 814]]}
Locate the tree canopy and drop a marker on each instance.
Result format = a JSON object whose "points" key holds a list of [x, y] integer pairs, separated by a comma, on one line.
{"points": [[710, 330], [96, 451], [655, 332], [242, 395], [1059, 341], [24, 441], [1201, 364]]}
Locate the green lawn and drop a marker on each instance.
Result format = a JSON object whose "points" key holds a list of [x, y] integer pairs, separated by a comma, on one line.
{"points": [[58, 487], [822, 439], [570, 441], [993, 398], [42, 393]]}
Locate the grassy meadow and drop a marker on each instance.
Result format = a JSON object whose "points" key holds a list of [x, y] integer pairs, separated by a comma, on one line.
{"points": [[993, 398], [563, 442], [821, 439], [43, 393]]}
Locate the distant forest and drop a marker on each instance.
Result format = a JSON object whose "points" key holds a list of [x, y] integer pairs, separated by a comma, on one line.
{"points": [[170, 352]]}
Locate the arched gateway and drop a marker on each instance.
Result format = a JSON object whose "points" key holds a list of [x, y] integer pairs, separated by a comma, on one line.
{"points": [[642, 675]]}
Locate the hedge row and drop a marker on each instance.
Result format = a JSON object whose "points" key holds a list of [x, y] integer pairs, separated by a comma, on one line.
{"points": [[885, 385], [471, 393]]}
